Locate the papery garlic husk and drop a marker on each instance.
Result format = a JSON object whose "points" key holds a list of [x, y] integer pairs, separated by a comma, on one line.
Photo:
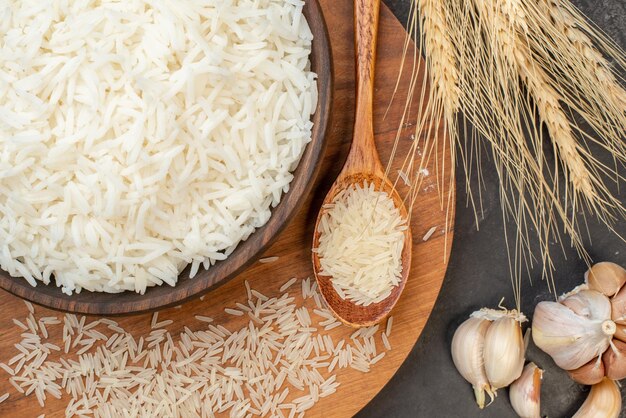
{"points": [[606, 277], [573, 291], [572, 340], [467, 354], [604, 401], [590, 304], [618, 307], [614, 360], [525, 392], [590, 373], [504, 352]]}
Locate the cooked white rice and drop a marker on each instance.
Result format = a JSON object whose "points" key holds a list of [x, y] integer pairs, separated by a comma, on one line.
{"points": [[360, 244], [138, 137], [278, 363]]}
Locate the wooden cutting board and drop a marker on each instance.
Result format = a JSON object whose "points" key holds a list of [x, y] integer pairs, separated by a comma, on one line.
{"points": [[293, 245]]}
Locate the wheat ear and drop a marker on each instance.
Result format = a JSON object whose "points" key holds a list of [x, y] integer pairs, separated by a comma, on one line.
{"points": [[588, 83]]}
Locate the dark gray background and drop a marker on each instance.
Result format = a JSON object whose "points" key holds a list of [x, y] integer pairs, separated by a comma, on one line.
{"points": [[427, 384]]}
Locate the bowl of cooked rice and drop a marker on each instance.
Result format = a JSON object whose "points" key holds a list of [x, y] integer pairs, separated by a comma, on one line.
{"points": [[152, 151]]}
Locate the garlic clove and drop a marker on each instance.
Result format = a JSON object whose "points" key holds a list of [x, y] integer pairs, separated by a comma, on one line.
{"points": [[504, 352], [589, 374], [606, 277], [467, 354], [525, 392], [615, 360], [620, 333], [571, 340], [618, 307], [604, 401], [590, 304]]}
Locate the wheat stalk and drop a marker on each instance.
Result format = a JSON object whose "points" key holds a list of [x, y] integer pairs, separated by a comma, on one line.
{"points": [[502, 64], [440, 102], [568, 24], [518, 54], [441, 62], [590, 85]]}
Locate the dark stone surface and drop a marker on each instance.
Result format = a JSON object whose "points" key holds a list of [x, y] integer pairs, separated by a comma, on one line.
{"points": [[427, 384]]}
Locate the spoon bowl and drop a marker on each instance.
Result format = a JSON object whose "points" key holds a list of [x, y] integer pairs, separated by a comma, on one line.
{"points": [[345, 310]]}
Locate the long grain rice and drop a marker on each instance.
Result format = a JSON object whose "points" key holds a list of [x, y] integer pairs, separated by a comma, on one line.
{"points": [[360, 244], [141, 137], [252, 370]]}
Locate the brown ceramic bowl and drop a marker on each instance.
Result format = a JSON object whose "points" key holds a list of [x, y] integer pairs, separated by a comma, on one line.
{"points": [[97, 303]]}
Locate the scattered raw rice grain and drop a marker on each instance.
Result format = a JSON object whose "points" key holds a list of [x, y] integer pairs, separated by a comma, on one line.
{"points": [[233, 312], [244, 308], [115, 374], [7, 369], [385, 341], [204, 318], [404, 178], [30, 307], [163, 323], [20, 324], [268, 260], [116, 329], [378, 358], [259, 295], [248, 292], [4, 397], [389, 325], [332, 326], [429, 234], [288, 284]]}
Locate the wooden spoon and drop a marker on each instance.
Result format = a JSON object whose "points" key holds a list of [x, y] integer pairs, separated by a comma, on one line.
{"points": [[363, 164]]}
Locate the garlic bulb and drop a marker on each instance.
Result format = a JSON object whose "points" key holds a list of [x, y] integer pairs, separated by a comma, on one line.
{"points": [[585, 331], [467, 354], [606, 278], [574, 339], [488, 350], [525, 392], [604, 401]]}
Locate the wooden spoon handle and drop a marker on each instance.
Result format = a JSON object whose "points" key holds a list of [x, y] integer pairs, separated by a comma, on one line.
{"points": [[363, 155]]}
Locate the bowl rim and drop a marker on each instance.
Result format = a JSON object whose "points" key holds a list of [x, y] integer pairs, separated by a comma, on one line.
{"points": [[248, 251]]}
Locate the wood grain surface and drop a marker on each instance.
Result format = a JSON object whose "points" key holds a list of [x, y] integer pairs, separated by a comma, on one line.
{"points": [[293, 245]]}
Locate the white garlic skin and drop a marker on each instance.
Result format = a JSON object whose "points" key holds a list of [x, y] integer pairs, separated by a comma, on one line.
{"points": [[467, 354], [525, 392], [571, 340], [590, 304], [504, 352], [604, 401]]}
